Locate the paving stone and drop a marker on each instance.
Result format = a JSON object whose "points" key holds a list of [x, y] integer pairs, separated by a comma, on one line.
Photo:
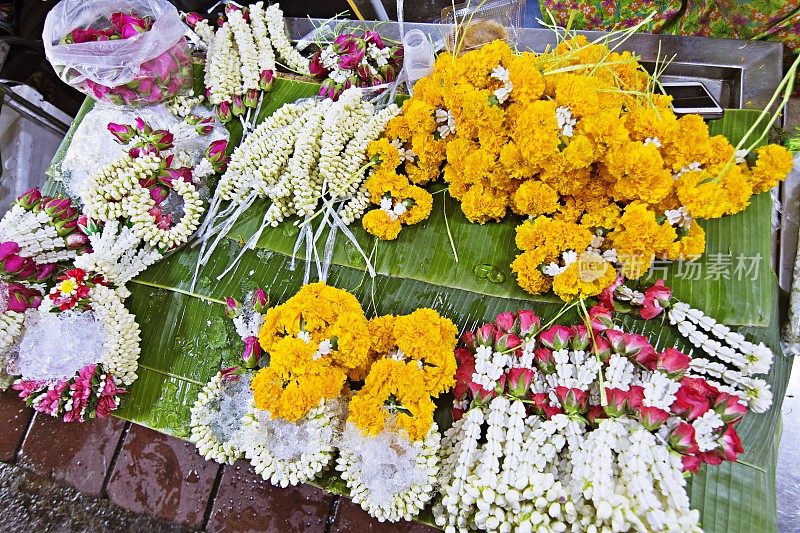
{"points": [[78, 454], [245, 502], [14, 418], [162, 476], [351, 518]]}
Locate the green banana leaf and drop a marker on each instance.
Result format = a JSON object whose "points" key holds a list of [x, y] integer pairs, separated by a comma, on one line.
{"points": [[186, 337]]}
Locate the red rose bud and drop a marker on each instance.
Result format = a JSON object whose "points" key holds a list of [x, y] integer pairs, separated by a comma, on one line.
{"points": [[344, 43], [595, 413], [224, 112], [544, 360], [555, 337], [193, 18], [266, 79], [689, 402], [541, 402], [215, 153], [633, 345], [252, 352], [44, 272], [388, 73], [128, 25], [221, 21], [64, 228], [485, 335], [457, 413], [691, 463], [159, 194], [480, 395], [682, 439], [601, 318], [162, 139], [15, 302], [204, 129], [363, 72], [251, 98], [315, 66], [232, 307], [573, 401], [172, 174], [29, 199], [373, 37], [77, 240], [237, 106], [260, 301], [464, 372], [518, 381], [505, 322], [580, 337], [730, 444], [88, 225], [397, 54], [500, 386], [230, 373], [673, 362], [617, 402], [602, 349], [729, 407], [121, 132], [635, 397], [528, 322], [7, 249], [507, 343], [652, 418], [469, 341]]}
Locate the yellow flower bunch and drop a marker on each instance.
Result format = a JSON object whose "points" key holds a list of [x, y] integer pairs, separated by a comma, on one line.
{"points": [[414, 362], [315, 340], [575, 136]]}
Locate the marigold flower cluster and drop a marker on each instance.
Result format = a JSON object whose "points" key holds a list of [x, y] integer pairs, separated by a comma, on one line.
{"points": [[576, 140], [415, 363]]}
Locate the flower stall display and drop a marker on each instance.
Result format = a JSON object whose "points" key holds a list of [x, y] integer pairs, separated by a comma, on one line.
{"points": [[584, 427], [576, 140], [359, 59], [127, 52], [242, 56]]}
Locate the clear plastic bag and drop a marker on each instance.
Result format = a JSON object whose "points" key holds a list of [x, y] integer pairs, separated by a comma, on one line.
{"points": [[481, 22], [144, 68]]}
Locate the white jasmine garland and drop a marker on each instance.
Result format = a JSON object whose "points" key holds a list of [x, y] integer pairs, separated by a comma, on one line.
{"points": [[446, 123], [11, 326], [223, 71], [144, 223], [705, 427], [266, 56], [288, 453], [246, 46], [489, 366], [566, 121], [35, 235], [659, 391], [182, 105], [216, 417], [277, 34], [121, 349], [388, 476], [104, 193]]}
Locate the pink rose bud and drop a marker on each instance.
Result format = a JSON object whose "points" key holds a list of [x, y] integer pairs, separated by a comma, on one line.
{"points": [[682, 439], [690, 400], [363, 73], [388, 73], [464, 372], [617, 402], [232, 307], [480, 395], [14, 264], [121, 132], [251, 98], [142, 127], [266, 79], [505, 322], [128, 25], [519, 381], [573, 400], [193, 18], [506, 343], [315, 66], [344, 43], [260, 301], [65, 228], [373, 37], [215, 153], [77, 240], [595, 414], [730, 443], [29, 199], [252, 352], [172, 174], [600, 317], [729, 407], [485, 335], [555, 337], [88, 225], [43, 272], [691, 463], [7, 249], [673, 362], [469, 341], [162, 139], [529, 323], [237, 106], [652, 418], [224, 112], [159, 194], [602, 349], [580, 338], [544, 359]]}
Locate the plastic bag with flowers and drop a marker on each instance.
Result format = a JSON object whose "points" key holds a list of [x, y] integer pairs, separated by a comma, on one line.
{"points": [[127, 52], [314, 340], [15, 300], [582, 428], [577, 140], [389, 446]]}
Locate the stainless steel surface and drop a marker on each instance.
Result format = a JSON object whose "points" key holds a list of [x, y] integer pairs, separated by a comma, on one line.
{"points": [[24, 107], [790, 208], [4, 48], [740, 73]]}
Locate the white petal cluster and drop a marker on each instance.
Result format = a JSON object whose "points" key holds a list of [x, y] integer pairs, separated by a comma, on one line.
{"points": [[566, 121], [11, 325], [121, 349], [489, 366], [105, 195], [389, 476], [116, 255], [223, 77], [732, 358], [277, 34], [217, 417], [248, 52], [288, 453], [183, 104], [258, 22], [35, 235], [144, 223]]}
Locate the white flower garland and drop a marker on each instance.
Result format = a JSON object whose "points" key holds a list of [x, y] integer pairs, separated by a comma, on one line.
{"points": [[121, 349], [223, 70], [246, 46], [266, 56], [182, 105], [389, 476], [35, 234], [105, 195], [288, 453], [277, 34], [216, 417], [11, 326]]}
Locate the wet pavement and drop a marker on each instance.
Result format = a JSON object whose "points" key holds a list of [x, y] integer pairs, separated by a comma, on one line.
{"points": [[788, 474]]}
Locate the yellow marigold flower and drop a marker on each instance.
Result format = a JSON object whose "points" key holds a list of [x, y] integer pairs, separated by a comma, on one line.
{"points": [[529, 277], [690, 246], [419, 116], [458, 185], [420, 174], [536, 133], [579, 93], [773, 164], [457, 151], [640, 173], [578, 153], [702, 194], [401, 382], [387, 153], [552, 237], [421, 205], [426, 336], [721, 152], [604, 129], [429, 90], [602, 217], [378, 222], [381, 332], [534, 198], [526, 78], [650, 122], [481, 204], [586, 277], [689, 143], [384, 180], [512, 161], [397, 128], [639, 237]]}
